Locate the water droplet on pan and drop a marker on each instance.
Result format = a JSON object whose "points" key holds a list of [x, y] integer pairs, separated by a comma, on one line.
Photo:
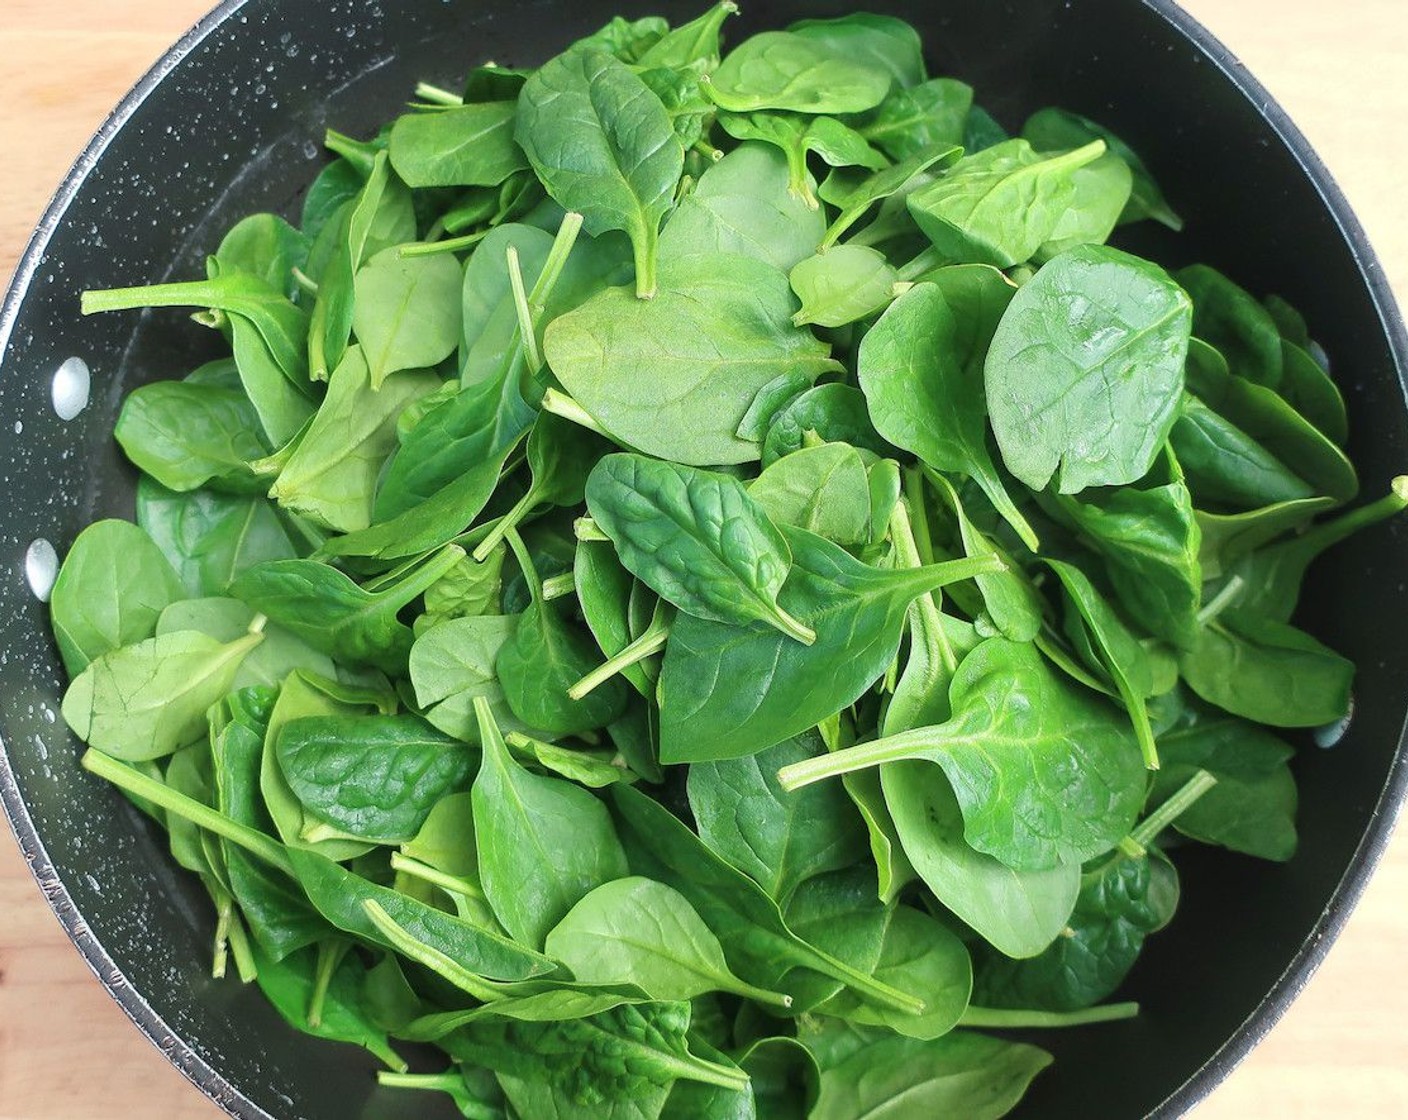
{"points": [[72, 382], [41, 568]]}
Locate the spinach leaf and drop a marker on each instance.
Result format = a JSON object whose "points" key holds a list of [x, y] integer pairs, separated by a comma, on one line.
{"points": [[210, 538], [1225, 466], [1089, 402], [1267, 671], [630, 1056], [917, 955], [843, 285], [881, 42], [372, 777], [272, 905], [829, 413], [110, 591], [1271, 576], [1014, 720], [470, 589], [1118, 652], [1149, 540], [605, 590], [1310, 391], [1265, 416], [1252, 808], [692, 45], [899, 181], [866, 1072], [332, 474], [268, 333], [858, 614], [1001, 205], [1227, 537], [696, 538], [544, 658], [406, 311], [603, 146], [273, 659], [265, 246], [330, 612], [779, 840], [928, 115], [637, 931], [452, 663], [146, 700], [1052, 130], [924, 397], [1231, 320], [462, 146], [561, 455], [1014, 606], [797, 137], [289, 984], [757, 942], [674, 377], [798, 72], [188, 435], [1019, 912], [824, 490], [543, 842], [340, 896], [1122, 900], [743, 205], [382, 215]]}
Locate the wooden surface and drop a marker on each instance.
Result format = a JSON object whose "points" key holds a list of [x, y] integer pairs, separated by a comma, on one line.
{"points": [[68, 1053]]}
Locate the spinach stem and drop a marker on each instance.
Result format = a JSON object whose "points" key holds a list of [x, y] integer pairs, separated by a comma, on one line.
{"points": [[560, 404], [903, 745], [559, 586], [134, 781], [305, 282], [562, 244], [407, 945], [864, 985], [240, 950], [224, 909], [191, 293], [257, 623], [586, 529], [792, 627], [451, 884], [527, 333], [448, 245], [1221, 601], [1058, 656], [1320, 537], [919, 515], [447, 1082], [434, 95], [651, 641], [643, 245], [692, 1068], [1015, 1019], [926, 261], [508, 521], [525, 564], [928, 620], [1147, 831], [330, 954]]}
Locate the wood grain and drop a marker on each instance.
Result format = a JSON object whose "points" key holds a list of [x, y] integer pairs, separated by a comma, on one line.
{"points": [[67, 1051]]}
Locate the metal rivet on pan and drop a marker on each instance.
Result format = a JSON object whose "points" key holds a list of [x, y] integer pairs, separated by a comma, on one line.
{"points": [[41, 568], [72, 381]]}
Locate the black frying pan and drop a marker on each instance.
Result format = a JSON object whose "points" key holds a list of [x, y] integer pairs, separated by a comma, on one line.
{"points": [[229, 122]]}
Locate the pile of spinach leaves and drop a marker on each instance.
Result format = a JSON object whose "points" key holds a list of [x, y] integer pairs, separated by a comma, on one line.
{"points": [[692, 639]]}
